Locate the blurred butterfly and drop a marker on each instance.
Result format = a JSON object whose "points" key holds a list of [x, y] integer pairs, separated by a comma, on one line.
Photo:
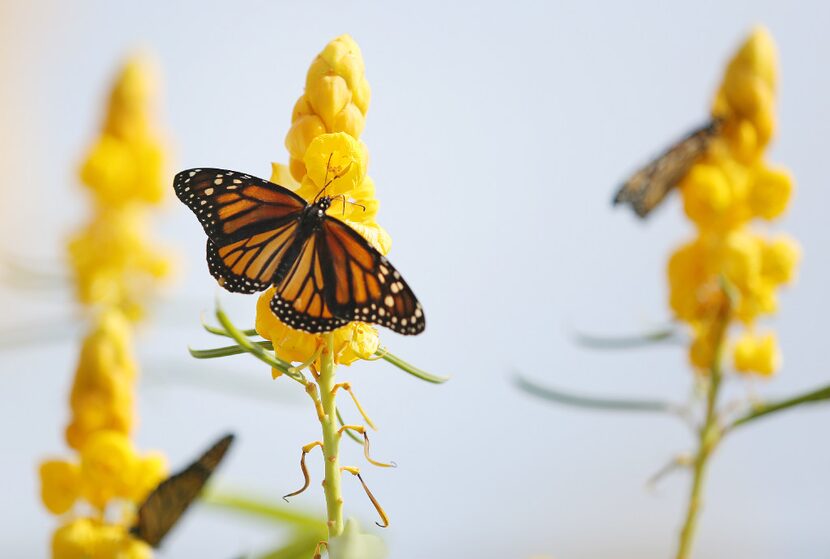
{"points": [[168, 502], [326, 275], [647, 187]]}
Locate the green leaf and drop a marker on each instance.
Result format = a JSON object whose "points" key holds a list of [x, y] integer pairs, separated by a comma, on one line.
{"points": [[411, 369], [301, 546], [267, 510], [221, 331], [663, 335], [257, 348], [764, 409], [606, 404], [224, 351]]}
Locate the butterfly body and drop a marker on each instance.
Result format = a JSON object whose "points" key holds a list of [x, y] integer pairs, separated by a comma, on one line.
{"points": [[324, 273]]}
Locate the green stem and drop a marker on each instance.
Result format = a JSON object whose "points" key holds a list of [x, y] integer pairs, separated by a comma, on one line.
{"points": [[331, 439], [709, 436]]}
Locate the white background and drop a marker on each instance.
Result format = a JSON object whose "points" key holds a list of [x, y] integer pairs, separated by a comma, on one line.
{"points": [[498, 133]]}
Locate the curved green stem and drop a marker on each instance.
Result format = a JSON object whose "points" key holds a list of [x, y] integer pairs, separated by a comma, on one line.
{"points": [[331, 440], [709, 436]]}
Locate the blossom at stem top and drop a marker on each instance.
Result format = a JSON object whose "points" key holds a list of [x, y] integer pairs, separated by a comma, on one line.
{"points": [[113, 260], [730, 187], [323, 142]]}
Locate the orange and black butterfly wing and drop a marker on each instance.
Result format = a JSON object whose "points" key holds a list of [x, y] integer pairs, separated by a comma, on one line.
{"points": [[168, 502], [250, 223], [647, 187], [301, 300], [339, 277]]}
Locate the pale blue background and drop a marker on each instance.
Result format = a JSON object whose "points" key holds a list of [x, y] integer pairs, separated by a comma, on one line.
{"points": [[497, 133]]}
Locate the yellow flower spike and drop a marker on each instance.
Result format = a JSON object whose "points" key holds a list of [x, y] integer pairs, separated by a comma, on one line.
{"points": [[127, 163], [779, 259], [336, 99], [748, 90], [770, 192], [60, 485], [108, 467], [757, 354], [102, 391]]}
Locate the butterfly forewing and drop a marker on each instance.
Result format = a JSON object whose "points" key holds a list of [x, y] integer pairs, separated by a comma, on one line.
{"points": [[249, 221], [167, 502], [649, 186]]}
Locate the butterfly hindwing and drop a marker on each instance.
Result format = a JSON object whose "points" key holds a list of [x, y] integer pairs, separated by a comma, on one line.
{"points": [[167, 502], [647, 187], [339, 277]]}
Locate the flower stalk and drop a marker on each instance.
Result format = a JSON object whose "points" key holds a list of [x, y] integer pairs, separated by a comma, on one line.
{"points": [[331, 439], [709, 434]]}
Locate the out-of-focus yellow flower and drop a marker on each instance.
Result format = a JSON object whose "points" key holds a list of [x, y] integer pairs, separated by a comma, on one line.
{"points": [[102, 391], [127, 162], [85, 538], [112, 259], [108, 467], [757, 354], [722, 194], [323, 143], [60, 485]]}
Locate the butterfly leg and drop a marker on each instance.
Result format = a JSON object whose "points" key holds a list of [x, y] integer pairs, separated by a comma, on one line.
{"points": [[306, 478], [382, 513]]}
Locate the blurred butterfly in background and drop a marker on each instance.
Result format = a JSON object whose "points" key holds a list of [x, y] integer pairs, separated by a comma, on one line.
{"points": [[168, 502], [326, 275], [647, 187]]}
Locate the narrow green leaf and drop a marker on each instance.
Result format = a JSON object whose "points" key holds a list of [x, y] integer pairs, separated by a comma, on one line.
{"points": [[301, 546], [607, 404], [411, 369], [222, 332], [257, 349], [762, 410], [224, 351], [663, 335], [266, 510]]}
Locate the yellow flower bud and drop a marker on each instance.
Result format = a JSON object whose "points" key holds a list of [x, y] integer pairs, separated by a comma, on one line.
{"points": [[757, 354], [770, 192], [85, 538], [779, 259], [741, 260], [108, 467], [687, 273], [151, 469], [60, 485], [706, 194]]}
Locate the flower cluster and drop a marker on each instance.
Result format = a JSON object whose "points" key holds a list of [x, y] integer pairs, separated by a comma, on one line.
{"points": [[113, 262], [722, 194], [115, 271], [323, 143]]}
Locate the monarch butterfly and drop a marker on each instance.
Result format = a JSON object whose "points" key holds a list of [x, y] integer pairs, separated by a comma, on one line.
{"points": [[326, 275], [646, 188], [167, 502]]}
